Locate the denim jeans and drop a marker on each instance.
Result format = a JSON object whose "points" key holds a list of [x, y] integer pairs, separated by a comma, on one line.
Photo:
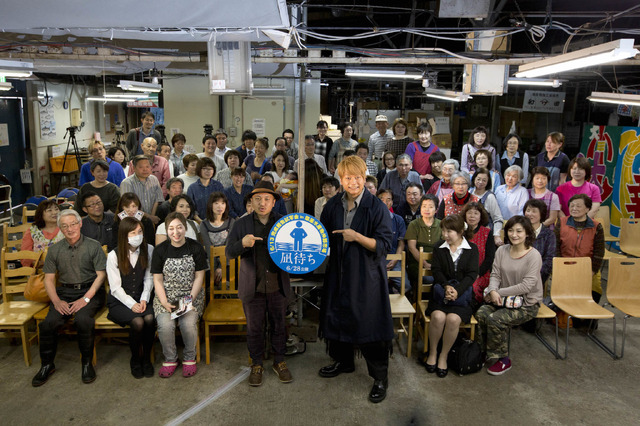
{"points": [[188, 324]]}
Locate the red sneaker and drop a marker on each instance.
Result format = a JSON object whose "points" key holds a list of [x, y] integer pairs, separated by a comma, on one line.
{"points": [[500, 367]]}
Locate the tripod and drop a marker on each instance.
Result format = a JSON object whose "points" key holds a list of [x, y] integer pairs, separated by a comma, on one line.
{"points": [[71, 131]]}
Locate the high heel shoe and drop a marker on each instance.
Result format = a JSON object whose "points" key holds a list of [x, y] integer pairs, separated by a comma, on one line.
{"points": [[442, 372], [431, 368]]}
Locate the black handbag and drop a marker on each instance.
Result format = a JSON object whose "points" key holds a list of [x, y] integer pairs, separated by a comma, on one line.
{"points": [[465, 356]]}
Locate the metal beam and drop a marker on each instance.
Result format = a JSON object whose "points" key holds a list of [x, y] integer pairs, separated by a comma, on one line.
{"points": [[194, 57]]}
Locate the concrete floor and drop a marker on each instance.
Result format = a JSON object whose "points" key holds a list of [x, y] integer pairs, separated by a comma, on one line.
{"points": [[588, 388]]}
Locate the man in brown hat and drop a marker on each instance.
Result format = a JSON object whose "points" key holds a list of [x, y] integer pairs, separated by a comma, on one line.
{"points": [[262, 287]]}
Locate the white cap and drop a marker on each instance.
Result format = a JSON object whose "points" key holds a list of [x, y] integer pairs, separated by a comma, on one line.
{"points": [[381, 118]]}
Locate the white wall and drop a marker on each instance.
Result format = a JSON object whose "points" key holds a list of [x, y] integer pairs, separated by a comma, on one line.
{"points": [[72, 94], [189, 106]]}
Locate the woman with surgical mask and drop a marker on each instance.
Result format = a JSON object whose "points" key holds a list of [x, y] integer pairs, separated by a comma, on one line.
{"points": [[131, 289]]}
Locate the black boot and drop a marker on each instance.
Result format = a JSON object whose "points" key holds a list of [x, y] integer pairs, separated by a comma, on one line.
{"points": [[147, 347], [48, 347], [86, 342]]}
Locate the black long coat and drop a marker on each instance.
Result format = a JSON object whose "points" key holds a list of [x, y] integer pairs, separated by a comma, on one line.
{"points": [[355, 303]]}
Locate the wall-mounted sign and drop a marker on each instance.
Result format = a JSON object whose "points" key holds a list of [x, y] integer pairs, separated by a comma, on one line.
{"points": [[540, 101]]}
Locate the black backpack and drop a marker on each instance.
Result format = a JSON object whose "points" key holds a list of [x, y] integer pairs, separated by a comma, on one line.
{"points": [[465, 357]]}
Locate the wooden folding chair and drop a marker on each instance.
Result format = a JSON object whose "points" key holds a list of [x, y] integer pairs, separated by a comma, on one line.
{"points": [[571, 292], [630, 236], [12, 235], [15, 316], [28, 214], [225, 308], [423, 320], [623, 291], [401, 308]]}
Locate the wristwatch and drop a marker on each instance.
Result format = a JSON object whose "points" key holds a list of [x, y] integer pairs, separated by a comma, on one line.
{"points": [[87, 300]]}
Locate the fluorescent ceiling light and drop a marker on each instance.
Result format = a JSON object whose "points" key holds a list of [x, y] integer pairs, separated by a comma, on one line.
{"points": [[5, 86], [124, 95], [383, 74], [15, 74], [615, 98], [106, 99], [447, 95], [596, 55], [139, 86], [16, 66], [270, 89], [514, 81]]}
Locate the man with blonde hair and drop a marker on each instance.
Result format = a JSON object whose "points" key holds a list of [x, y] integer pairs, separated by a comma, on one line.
{"points": [[355, 303]]}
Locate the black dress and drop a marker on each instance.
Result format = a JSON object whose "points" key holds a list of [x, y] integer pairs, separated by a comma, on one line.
{"points": [[465, 271], [133, 285]]}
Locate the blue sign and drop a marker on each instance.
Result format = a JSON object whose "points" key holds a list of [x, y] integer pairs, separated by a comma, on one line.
{"points": [[298, 243]]}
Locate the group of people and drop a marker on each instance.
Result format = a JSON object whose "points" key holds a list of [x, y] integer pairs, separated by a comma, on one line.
{"points": [[159, 223]]}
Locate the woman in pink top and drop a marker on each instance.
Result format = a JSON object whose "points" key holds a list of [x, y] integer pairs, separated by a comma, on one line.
{"points": [[580, 172], [44, 232]]}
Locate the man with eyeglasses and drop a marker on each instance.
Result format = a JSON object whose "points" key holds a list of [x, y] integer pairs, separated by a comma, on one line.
{"points": [[98, 224], [398, 180], [80, 265]]}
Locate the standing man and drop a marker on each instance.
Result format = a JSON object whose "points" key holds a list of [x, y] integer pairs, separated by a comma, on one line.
{"points": [[137, 135], [309, 152], [80, 264], [397, 180], [323, 142], [145, 186], [262, 287], [97, 151], [98, 224], [378, 140], [209, 144], [249, 139], [292, 146], [355, 303], [159, 165], [221, 143]]}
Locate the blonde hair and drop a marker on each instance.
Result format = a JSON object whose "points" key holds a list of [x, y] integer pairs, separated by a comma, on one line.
{"points": [[352, 165]]}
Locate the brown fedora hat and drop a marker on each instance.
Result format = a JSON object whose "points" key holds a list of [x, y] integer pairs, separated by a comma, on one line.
{"points": [[263, 187]]}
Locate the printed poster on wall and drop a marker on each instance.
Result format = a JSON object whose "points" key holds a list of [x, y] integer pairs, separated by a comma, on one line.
{"points": [[541, 101], [47, 120]]}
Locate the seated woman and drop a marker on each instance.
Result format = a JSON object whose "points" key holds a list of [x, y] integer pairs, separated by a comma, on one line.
{"points": [[255, 164], [108, 192], [131, 287], [481, 181], [388, 165], [455, 268], [184, 205], [454, 203], [539, 191], [423, 232], [44, 231], [516, 272], [178, 267], [118, 155], [580, 236], [216, 227], [483, 158], [545, 242], [476, 217], [511, 196], [129, 206]]}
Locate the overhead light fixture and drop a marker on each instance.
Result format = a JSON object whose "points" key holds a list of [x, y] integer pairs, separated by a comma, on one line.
{"points": [[139, 86], [4, 86], [269, 89], [15, 74], [383, 74], [615, 98], [605, 53], [124, 95], [447, 95], [112, 99], [514, 81]]}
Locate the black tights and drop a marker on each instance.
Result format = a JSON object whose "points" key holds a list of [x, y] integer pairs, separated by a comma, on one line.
{"points": [[142, 333]]}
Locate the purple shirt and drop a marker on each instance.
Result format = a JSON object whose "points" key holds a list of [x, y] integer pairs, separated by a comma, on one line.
{"points": [[567, 190]]}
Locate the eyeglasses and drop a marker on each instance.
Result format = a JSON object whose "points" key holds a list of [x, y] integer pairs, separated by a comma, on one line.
{"points": [[71, 225], [461, 184], [92, 205]]}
